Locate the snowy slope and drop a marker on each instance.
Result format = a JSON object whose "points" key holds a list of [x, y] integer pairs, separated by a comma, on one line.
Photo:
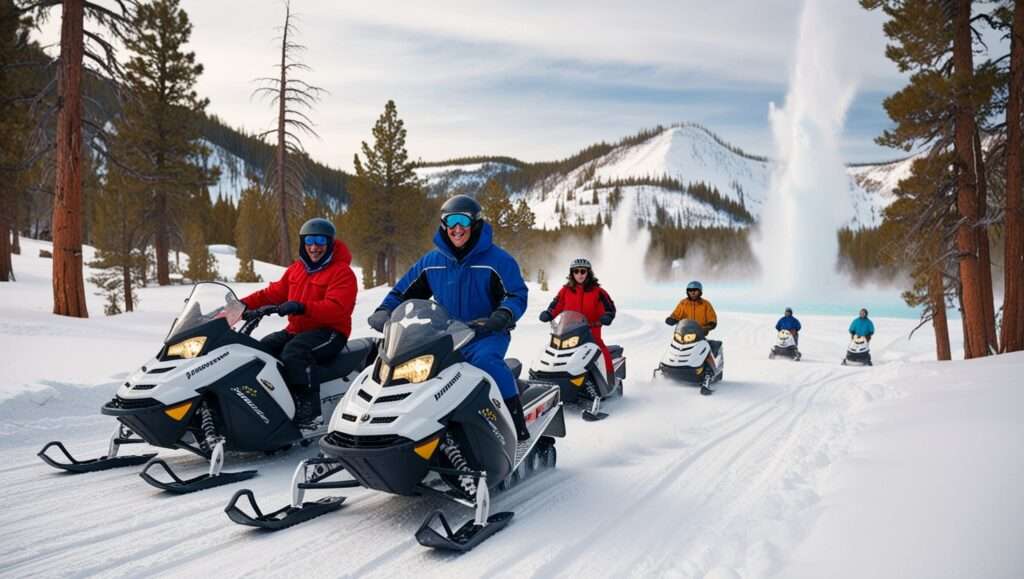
{"points": [[235, 173], [688, 153], [910, 468], [446, 179]]}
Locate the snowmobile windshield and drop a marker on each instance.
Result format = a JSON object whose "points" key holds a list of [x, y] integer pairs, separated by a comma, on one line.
{"points": [[417, 322], [686, 327], [567, 322], [207, 302]]}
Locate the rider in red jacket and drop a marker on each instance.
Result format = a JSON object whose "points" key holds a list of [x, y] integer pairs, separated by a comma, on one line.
{"points": [[582, 293], [317, 292]]}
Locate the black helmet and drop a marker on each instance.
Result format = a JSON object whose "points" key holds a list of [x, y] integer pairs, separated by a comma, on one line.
{"points": [[317, 226], [461, 204], [789, 310]]}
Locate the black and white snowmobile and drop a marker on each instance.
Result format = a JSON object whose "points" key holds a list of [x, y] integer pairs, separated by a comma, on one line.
{"points": [[422, 421], [858, 353], [691, 357], [574, 361], [211, 389], [785, 346]]}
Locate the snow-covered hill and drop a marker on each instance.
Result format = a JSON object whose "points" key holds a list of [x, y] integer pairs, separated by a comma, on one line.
{"points": [[910, 468], [686, 153]]}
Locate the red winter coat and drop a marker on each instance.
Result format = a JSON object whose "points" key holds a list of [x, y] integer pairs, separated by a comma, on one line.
{"points": [[592, 303], [329, 295]]}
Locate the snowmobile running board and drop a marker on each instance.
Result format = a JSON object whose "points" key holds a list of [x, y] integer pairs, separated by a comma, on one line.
{"points": [[281, 518], [93, 464], [181, 486]]}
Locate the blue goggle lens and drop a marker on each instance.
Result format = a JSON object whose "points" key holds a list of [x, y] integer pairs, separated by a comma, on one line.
{"points": [[453, 219], [315, 239]]}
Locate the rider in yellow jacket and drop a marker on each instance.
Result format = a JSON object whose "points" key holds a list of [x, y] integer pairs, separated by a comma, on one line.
{"points": [[694, 307]]}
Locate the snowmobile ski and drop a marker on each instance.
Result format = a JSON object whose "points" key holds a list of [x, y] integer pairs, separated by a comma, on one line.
{"points": [[466, 537], [121, 435], [93, 464], [298, 511], [181, 486], [281, 518]]}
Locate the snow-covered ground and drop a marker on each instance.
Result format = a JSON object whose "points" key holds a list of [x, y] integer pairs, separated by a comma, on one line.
{"points": [[910, 468]]}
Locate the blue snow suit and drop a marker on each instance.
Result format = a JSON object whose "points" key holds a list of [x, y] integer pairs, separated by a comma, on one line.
{"points": [[487, 278], [862, 327], [788, 323]]}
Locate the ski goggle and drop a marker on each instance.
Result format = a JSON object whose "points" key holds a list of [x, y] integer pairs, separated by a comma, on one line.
{"points": [[315, 239], [454, 219], [581, 270]]}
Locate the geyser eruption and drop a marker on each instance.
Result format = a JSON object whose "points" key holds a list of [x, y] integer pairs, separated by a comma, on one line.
{"points": [[809, 199]]}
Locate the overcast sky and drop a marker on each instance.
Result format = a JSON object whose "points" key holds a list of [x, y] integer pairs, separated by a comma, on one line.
{"points": [[537, 80]]}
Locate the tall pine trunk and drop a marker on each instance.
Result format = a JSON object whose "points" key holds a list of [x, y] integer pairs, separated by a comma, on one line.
{"points": [[68, 283], [380, 275], [162, 241], [975, 336], [939, 323], [283, 254], [15, 220], [1013, 299], [126, 275], [984, 254], [5, 251]]}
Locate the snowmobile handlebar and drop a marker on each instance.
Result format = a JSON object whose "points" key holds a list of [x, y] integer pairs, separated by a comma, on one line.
{"points": [[252, 317]]}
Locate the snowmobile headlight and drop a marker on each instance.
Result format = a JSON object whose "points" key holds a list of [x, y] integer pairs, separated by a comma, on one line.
{"points": [[189, 348], [556, 342], [570, 342], [685, 338], [415, 370]]}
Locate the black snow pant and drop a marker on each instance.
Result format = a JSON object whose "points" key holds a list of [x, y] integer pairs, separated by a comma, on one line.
{"points": [[300, 353]]}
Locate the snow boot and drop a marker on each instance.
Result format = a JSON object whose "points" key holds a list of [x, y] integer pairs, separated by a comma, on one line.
{"points": [[307, 404], [515, 407]]}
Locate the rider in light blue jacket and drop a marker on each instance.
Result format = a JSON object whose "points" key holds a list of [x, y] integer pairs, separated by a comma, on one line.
{"points": [[862, 326]]}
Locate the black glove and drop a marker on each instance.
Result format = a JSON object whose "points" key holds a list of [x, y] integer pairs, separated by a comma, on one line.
{"points": [[290, 309], [500, 320], [378, 318], [545, 316], [671, 321], [249, 315], [606, 319]]}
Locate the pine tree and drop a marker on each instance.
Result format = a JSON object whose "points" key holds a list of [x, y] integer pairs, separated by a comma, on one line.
{"points": [[14, 127], [159, 131], [940, 109], [390, 216], [294, 98], [1013, 255], [118, 229], [253, 239], [202, 265]]}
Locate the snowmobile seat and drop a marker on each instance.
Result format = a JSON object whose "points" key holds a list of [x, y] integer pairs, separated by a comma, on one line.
{"points": [[615, 351], [530, 392], [350, 358], [515, 366]]}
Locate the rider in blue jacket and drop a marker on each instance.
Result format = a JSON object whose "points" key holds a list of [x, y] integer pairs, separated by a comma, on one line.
{"points": [[788, 322], [862, 326], [476, 281]]}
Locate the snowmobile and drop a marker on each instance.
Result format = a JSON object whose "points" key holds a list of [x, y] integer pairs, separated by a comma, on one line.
{"points": [[422, 421], [785, 346], [858, 353], [574, 362], [691, 357], [211, 389]]}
